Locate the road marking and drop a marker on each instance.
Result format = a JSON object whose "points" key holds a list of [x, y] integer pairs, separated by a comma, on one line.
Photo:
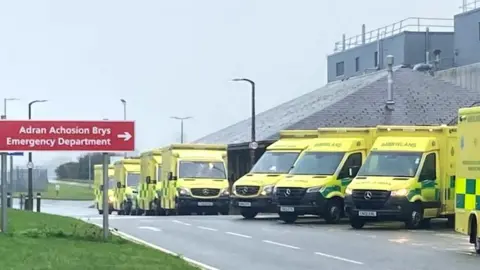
{"points": [[150, 228], [461, 237], [207, 228], [338, 258], [280, 244], [142, 242], [239, 235], [366, 235], [181, 222]]}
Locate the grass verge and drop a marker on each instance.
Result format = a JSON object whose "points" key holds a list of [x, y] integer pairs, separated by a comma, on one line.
{"points": [[44, 241], [67, 192]]}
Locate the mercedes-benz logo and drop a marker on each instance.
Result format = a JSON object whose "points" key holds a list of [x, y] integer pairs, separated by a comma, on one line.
{"points": [[244, 190], [367, 195], [288, 192], [205, 191]]}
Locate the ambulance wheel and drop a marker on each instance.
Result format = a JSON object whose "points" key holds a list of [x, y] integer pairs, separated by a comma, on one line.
{"points": [[127, 208], [100, 212], [451, 222], [416, 221], [288, 218], [357, 223], [333, 211], [110, 211], [248, 213]]}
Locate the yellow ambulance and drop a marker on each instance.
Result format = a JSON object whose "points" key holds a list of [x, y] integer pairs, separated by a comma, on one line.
{"points": [[98, 187], [194, 179], [127, 177], [253, 193], [150, 185], [316, 183], [467, 208], [408, 176]]}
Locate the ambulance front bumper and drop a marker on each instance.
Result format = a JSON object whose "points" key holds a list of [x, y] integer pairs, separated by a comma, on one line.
{"points": [[390, 209]]}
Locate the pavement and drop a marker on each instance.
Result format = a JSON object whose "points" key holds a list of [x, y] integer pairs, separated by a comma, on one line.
{"points": [[70, 183], [232, 243]]}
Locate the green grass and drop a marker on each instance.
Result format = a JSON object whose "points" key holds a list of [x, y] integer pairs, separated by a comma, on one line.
{"points": [[77, 181], [67, 192], [43, 241]]}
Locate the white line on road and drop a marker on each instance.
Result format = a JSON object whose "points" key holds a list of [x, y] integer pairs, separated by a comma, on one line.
{"points": [[150, 228], [280, 244], [143, 242], [207, 228], [338, 258], [239, 235], [181, 222]]}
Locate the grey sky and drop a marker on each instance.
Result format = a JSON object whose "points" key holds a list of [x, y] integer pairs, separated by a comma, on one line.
{"points": [[176, 57]]}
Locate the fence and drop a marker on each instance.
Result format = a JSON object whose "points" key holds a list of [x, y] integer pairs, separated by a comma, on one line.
{"points": [[413, 24], [17, 180]]}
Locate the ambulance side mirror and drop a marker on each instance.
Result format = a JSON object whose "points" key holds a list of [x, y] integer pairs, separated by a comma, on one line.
{"points": [[119, 185], [101, 187], [352, 171], [148, 179]]}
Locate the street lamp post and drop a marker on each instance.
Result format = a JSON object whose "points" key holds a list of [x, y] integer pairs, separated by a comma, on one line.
{"points": [[181, 124], [30, 160], [253, 129], [124, 102]]}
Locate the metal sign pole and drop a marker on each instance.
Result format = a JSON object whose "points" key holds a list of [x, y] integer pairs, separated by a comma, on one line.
{"points": [[105, 196], [4, 192]]}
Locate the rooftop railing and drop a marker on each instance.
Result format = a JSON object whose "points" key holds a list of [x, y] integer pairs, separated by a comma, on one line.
{"points": [[470, 5], [412, 24]]}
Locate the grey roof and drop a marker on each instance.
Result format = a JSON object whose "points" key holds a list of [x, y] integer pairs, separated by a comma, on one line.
{"points": [[359, 101]]}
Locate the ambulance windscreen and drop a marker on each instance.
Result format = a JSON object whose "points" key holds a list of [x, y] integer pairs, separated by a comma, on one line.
{"points": [[133, 179], [317, 163], [202, 169], [275, 162], [392, 164]]}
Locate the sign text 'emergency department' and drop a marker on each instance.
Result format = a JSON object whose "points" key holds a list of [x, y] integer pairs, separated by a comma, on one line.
{"points": [[101, 136]]}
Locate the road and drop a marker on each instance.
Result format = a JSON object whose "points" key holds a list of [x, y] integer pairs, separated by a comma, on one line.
{"points": [[231, 243]]}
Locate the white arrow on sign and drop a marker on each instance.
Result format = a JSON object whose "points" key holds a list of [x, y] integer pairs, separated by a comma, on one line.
{"points": [[125, 136]]}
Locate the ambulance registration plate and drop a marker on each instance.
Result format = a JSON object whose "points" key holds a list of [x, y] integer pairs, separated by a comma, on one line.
{"points": [[205, 203], [367, 213], [245, 204], [287, 209]]}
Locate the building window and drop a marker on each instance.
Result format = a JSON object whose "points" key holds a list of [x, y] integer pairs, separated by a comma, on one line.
{"points": [[357, 64], [375, 59], [340, 68]]}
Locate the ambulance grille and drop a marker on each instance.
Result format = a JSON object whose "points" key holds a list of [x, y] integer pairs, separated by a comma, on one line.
{"points": [[370, 199], [205, 192], [247, 190], [290, 196]]}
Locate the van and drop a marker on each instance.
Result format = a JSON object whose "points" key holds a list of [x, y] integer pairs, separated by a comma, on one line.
{"points": [[127, 177], [253, 193], [98, 187], [194, 179], [316, 183], [150, 185], [467, 183], [408, 176]]}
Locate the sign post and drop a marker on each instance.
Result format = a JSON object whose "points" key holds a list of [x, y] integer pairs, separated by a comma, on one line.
{"points": [[105, 196], [4, 192], [92, 136]]}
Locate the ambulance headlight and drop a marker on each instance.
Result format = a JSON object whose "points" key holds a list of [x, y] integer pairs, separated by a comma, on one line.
{"points": [[225, 192], [314, 189], [111, 199], [399, 192], [267, 190], [348, 191], [183, 191]]}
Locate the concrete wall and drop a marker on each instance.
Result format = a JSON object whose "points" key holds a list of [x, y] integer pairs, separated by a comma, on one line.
{"points": [[408, 48], [467, 37], [466, 76]]}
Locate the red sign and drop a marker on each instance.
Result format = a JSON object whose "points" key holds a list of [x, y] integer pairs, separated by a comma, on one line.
{"points": [[92, 136]]}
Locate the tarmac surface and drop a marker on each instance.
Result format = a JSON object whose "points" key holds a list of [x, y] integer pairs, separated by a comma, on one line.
{"points": [[232, 243]]}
